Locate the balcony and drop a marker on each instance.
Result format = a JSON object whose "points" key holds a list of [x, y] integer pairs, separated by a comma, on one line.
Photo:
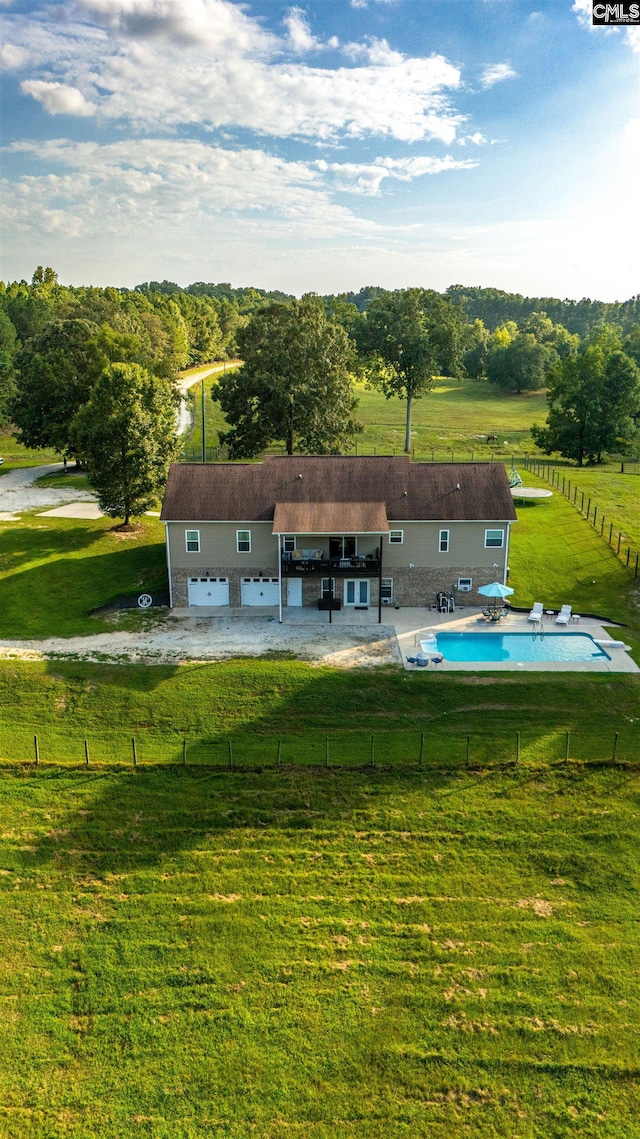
{"points": [[332, 567]]}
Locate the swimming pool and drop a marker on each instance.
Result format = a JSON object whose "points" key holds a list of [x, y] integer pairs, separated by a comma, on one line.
{"points": [[520, 647]]}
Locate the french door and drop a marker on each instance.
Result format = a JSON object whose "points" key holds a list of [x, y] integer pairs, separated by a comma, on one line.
{"points": [[356, 591]]}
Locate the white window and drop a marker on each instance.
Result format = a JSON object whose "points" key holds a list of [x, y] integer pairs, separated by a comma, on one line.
{"points": [[444, 542], [494, 538], [243, 541], [288, 544], [192, 541], [386, 590], [396, 537]]}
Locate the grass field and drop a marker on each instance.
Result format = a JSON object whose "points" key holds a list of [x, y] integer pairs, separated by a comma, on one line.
{"points": [[616, 495], [457, 415], [191, 954], [54, 571], [61, 480]]}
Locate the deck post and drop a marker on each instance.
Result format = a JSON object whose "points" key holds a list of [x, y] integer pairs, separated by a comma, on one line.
{"points": [[380, 584]]}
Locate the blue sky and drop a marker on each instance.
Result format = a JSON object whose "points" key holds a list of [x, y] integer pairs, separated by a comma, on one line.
{"points": [[322, 146]]}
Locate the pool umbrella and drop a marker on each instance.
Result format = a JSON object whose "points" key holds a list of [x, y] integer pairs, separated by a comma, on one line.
{"points": [[496, 590]]}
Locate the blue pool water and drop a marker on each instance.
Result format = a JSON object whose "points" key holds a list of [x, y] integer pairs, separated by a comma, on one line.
{"points": [[519, 647]]}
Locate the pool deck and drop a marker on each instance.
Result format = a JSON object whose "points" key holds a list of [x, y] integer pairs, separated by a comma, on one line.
{"points": [[412, 625]]}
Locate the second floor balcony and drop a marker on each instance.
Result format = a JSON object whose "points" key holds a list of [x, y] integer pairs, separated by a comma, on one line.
{"points": [[353, 566]]}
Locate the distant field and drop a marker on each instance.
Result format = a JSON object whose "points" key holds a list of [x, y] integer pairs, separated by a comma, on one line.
{"points": [[190, 954], [457, 415]]}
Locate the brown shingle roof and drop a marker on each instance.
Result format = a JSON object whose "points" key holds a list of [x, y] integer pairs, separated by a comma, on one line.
{"points": [[330, 518], [248, 492]]}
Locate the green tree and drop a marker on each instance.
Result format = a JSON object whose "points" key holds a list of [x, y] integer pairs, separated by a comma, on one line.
{"points": [[594, 403], [56, 370], [519, 366], [295, 383], [474, 357], [126, 437], [8, 348], [410, 337]]}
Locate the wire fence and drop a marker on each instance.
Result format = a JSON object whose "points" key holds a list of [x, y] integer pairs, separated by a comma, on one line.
{"points": [[594, 514], [342, 750]]}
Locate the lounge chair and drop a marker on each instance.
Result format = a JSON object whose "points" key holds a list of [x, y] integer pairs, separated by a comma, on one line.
{"points": [[564, 615], [536, 613]]}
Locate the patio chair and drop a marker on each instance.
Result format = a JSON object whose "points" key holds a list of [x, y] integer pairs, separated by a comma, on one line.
{"points": [[564, 615], [536, 613]]}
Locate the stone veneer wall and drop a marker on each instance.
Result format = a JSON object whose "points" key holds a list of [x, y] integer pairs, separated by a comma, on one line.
{"points": [[179, 578], [411, 587]]}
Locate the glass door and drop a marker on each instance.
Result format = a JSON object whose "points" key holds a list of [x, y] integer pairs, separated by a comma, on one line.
{"points": [[356, 592]]}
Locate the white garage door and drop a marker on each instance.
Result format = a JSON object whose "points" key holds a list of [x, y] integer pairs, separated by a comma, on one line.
{"points": [[260, 591], [208, 591]]}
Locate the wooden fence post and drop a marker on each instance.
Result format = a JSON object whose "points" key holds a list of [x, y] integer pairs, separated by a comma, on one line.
{"points": [[610, 533], [468, 749], [279, 752], [184, 750], [230, 756], [421, 747], [326, 751], [566, 747], [615, 747], [517, 747], [619, 541], [373, 751], [86, 752], [36, 750], [135, 754]]}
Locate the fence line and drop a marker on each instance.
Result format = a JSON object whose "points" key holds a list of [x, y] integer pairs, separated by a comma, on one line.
{"points": [[342, 750], [592, 512]]}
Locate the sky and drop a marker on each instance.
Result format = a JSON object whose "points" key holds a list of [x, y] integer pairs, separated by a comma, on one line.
{"points": [[321, 146]]}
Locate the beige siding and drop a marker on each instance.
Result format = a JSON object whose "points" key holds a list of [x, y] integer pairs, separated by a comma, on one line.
{"points": [[420, 546], [218, 545]]}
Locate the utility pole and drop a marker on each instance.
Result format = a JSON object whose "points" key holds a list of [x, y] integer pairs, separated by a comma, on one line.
{"points": [[204, 451]]}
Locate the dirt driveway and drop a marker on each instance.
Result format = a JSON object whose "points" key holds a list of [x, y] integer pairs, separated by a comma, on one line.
{"points": [[174, 640]]}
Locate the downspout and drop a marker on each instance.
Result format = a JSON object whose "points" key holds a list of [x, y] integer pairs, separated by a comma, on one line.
{"points": [[280, 578], [506, 554], [380, 583], [166, 534]]}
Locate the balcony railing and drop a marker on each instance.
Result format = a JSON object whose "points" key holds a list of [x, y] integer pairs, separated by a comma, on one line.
{"points": [[332, 567]]}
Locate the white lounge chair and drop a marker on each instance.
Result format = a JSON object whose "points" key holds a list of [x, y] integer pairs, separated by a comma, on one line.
{"points": [[536, 613], [564, 615]]}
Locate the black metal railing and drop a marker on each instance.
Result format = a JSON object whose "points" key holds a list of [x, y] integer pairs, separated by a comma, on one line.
{"points": [[332, 567]]}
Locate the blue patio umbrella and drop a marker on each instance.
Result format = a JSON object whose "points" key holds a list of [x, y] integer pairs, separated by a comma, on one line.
{"points": [[495, 589]]}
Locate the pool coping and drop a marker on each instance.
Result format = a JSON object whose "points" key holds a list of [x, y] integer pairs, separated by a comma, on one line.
{"points": [[472, 621]]}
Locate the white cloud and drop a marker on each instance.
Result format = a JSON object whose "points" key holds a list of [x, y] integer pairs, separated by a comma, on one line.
{"points": [[583, 10], [216, 24], [12, 57], [58, 98], [367, 178], [374, 51], [496, 73], [299, 33]]}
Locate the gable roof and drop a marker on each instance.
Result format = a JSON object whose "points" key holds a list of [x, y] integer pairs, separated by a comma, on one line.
{"points": [[248, 492], [330, 518]]}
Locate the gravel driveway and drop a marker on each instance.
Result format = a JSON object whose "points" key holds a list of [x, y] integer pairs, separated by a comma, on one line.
{"points": [[17, 492], [173, 640]]}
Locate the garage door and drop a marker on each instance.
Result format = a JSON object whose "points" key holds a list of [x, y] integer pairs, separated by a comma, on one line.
{"points": [[260, 591], [208, 591]]}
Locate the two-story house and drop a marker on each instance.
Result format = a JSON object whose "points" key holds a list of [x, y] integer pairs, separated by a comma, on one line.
{"points": [[326, 530]]}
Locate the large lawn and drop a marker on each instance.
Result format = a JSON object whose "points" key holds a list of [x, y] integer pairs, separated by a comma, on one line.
{"points": [[616, 495], [54, 571], [188, 954], [457, 415]]}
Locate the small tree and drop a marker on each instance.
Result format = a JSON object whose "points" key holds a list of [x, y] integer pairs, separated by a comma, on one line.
{"points": [[126, 436], [295, 383], [410, 337], [594, 401]]}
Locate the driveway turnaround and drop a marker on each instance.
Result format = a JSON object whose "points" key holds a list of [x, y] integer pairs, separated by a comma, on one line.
{"points": [[18, 493]]}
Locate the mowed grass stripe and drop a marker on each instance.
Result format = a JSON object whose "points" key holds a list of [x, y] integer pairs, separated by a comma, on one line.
{"points": [[190, 965]]}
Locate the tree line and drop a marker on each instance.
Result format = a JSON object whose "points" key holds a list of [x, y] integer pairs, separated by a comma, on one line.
{"points": [[92, 372]]}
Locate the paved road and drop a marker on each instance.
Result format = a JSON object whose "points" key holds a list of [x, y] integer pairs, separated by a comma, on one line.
{"points": [[17, 492], [184, 414]]}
